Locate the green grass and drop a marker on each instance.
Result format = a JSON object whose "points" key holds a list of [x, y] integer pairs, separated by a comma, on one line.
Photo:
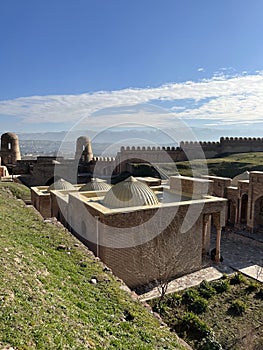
{"points": [[18, 190], [228, 166], [234, 314], [47, 300]]}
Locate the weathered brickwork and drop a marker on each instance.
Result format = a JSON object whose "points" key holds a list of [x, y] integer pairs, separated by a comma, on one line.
{"points": [[163, 253]]}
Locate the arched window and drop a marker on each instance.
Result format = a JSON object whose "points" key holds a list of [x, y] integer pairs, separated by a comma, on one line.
{"points": [[258, 213], [244, 202]]}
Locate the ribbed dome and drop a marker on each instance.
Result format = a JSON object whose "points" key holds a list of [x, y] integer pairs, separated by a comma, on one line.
{"points": [[242, 176], [129, 193], [61, 184], [96, 185]]}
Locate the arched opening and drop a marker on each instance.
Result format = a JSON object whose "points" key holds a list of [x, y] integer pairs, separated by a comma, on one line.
{"points": [[258, 213], [50, 181], [231, 212], [243, 214], [9, 146]]}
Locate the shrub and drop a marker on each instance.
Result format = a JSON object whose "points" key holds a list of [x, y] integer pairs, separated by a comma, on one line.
{"points": [[237, 308], [189, 296], [206, 290], [198, 306], [195, 329], [238, 278], [193, 326], [173, 300], [209, 343], [252, 287], [221, 286], [259, 294]]}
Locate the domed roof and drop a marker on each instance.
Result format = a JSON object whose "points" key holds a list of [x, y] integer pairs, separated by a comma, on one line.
{"points": [[83, 139], [61, 184], [242, 176], [129, 193], [9, 135], [95, 185]]}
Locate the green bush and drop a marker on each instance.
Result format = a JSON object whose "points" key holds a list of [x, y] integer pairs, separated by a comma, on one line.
{"points": [[189, 296], [224, 276], [209, 343], [221, 286], [194, 302], [191, 327], [198, 306], [237, 308], [173, 300], [206, 290], [252, 287], [259, 294], [238, 278]]}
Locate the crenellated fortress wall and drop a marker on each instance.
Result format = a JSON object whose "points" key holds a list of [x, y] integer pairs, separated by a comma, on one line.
{"points": [[241, 144], [190, 150], [41, 170]]}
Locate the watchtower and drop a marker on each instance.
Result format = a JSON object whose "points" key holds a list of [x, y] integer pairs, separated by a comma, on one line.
{"points": [[10, 150], [83, 149]]}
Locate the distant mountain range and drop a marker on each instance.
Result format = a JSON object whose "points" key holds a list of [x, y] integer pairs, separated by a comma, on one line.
{"points": [[153, 135], [108, 142]]}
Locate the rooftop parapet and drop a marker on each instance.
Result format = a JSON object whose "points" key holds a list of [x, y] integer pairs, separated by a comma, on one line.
{"points": [[190, 186]]}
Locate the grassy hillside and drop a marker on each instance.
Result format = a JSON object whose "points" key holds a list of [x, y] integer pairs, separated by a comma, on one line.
{"points": [[228, 166], [55, 295]]}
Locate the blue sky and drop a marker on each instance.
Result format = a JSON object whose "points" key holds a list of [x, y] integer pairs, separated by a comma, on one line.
{"points": [[62, 60]]}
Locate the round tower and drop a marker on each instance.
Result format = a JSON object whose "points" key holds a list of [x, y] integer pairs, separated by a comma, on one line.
{"points": [[10, 150], [83, 149]]}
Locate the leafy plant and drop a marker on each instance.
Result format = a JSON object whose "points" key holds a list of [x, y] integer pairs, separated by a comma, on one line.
{"points": [[221, 286], [173, 300], [189, 296], [252, 287], [196, 329], [237, 308], [259, 294], [206, 290], [198, 306], [194, 302], [238, 278]]}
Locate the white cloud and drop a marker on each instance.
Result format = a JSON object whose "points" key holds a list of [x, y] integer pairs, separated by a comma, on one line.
{"points": [[237, 99], [201, 69]]}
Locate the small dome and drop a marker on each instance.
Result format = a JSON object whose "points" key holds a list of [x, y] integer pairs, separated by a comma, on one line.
{"points": [[10, 135], [96, 185], [61, 184], [129, 193], [242, 176], [83, 139]]}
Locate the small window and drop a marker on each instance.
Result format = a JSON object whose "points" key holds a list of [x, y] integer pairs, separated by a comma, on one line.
{"points": [[9, 146]]}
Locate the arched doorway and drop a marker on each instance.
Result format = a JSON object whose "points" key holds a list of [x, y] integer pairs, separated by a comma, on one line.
{"points": [[231, 212], [243, 214], [258, 213]]}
